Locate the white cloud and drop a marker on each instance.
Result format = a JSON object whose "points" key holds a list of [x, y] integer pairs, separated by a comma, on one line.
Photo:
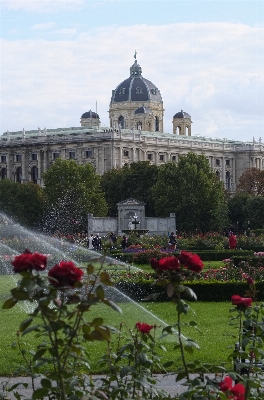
{"points": [[42, 6], [212, 71], [43, 27]]}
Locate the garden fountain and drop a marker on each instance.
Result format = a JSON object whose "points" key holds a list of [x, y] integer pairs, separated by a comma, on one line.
{"points": [[14, 239]]}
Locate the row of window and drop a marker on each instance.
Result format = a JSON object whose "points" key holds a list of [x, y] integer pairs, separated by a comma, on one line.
{"points": [[218, 162], [34, 156], [18, 174], [150, 156], [122, 123]]}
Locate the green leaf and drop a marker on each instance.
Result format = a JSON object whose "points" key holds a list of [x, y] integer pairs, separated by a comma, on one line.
{"points": [[105, 279], [182, 307], [101, 333], [46, 383], [31, 329], [180, 376], [97, 321], [170, 290], [168, 364], [39, 354], [40, 393], [113, 305], [167, 329], [9, 303], [86, 328], [100, 292], [124, 371], [19, 294], [189, 294], [25, 324], [90, 269]]}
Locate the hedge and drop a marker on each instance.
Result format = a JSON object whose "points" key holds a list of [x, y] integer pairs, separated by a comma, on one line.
{"points": [[205, 291], [144, 256]]}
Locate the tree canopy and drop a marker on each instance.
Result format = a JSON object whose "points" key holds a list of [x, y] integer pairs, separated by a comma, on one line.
{"points": [[192, 191], [135, 180], [72, 192], [24, 203], [252, 181]]}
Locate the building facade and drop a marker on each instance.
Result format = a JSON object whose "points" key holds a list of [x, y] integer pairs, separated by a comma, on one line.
{"points": [[135, 133]]}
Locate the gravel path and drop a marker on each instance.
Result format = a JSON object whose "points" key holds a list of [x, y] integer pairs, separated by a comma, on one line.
{"points": [[167, 383]]}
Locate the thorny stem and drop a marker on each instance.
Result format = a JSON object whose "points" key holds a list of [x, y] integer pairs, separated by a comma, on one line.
{"points": [[182, 348], [26, 361]]}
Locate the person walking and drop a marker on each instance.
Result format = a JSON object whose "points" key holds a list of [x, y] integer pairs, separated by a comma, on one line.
{"points": [[124, 242], [90, 242], [97, 242], [232, 241], [112, 238], [172, 241]]}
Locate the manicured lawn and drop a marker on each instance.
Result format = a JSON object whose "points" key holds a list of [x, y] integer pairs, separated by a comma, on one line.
{"points": [[212, 319]]}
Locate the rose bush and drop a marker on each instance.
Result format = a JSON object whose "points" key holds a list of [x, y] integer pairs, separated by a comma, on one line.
{"points": [[62, 299]]}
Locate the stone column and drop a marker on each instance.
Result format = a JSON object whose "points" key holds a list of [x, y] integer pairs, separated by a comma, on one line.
{"points": [[120, 156], [24, 167], [233, 174], [223, 170], [39, 180], [45, 160], [9, 166]]}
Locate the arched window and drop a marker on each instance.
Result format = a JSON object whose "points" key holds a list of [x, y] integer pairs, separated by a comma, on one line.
{"points": [[228, 180], [19, 175], [34, 174], [3, 173], [157, 124], [139, 126], [121, 122]]}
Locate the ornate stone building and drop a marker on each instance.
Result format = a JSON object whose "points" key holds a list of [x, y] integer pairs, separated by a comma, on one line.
{"points": [[135, 133]]}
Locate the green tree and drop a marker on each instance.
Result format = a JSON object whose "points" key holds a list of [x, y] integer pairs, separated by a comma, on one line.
{"points": [[135, 180], [72, 192], [192, 191], [23, 203], [238, 210], [254, 209]]}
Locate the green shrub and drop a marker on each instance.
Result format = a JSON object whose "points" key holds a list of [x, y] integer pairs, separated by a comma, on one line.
{"points": [[205, 291]]}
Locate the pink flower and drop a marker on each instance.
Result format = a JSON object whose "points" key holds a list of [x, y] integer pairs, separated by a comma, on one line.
{"points": [[144, 328]]}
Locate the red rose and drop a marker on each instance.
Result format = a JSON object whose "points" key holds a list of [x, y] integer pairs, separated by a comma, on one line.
{"points": [[191, 261], [144, 328], [166, 263], [66, 274], [30, 261], [226, 384], [237, 390], [241, 302]]}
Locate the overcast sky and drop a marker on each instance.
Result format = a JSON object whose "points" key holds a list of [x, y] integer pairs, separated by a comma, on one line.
{"points": [[60, 57]]}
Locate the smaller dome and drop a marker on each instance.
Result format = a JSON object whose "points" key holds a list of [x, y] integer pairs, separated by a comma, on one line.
{"points": [[90, 114], [182, 114], [143, 110]]}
